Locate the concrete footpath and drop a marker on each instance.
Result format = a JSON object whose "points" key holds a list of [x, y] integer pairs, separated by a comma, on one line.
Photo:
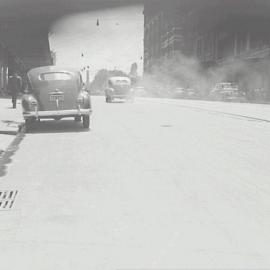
{"points": [[10, 122]]}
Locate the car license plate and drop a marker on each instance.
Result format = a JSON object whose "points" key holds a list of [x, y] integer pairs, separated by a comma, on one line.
{"points": [[56, 97]]}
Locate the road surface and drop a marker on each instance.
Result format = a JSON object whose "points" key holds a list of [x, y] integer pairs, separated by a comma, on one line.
{"points": [[151, 186]]}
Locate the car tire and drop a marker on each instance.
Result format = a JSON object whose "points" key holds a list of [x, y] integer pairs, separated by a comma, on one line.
{"points": [[86, 121], [108, 99], [27, 125]]}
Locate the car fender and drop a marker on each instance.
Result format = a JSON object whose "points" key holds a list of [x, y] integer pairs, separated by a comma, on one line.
{"points": [[27, 101], [86, 99], [109, 91]]}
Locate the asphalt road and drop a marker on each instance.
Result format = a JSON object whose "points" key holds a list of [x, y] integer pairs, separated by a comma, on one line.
{"points": [[151, 186]]}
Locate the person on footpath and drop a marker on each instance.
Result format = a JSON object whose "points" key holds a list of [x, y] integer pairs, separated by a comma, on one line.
{"points": [[15, 87]]}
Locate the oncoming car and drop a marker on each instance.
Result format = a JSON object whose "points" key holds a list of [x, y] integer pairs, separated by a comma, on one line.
{"points": [[186, 93], [227, 91], [119, 88], [55, 93]]}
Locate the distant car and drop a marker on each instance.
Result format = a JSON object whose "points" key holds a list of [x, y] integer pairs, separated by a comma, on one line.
{"points": [[227, 91], [192, 93], [55, 93], [179, 92], [140, 91], [119, 88], [186, 93]]}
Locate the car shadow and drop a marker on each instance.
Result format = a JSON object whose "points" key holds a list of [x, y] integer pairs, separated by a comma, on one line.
{"points": [[6, 156], [10, 122], [117, 101], [10, 127], [54, 126]]}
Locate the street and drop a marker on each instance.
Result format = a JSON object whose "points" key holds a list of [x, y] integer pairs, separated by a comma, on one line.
{"points": [[151, 186]]}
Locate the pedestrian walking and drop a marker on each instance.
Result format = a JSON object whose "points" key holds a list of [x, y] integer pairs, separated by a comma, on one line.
{"points": [[15, 87]]}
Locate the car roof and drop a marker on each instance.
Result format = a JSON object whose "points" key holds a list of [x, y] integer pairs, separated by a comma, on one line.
{"points": [[226, 83], [118, 78], [39, 70]]}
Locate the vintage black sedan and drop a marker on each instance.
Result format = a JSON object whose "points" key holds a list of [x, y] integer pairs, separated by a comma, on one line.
{"points": [[118, 87], [55, 93]]}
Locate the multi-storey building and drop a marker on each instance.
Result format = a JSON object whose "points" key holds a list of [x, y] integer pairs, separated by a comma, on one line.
{"points": [[223, 30], [163, 32], [216, 32]]}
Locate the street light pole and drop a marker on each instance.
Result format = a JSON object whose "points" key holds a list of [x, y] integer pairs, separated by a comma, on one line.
{"points": [[87, 78], [87, 73]]}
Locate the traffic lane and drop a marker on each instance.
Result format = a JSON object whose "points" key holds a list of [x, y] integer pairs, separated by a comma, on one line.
{"points": [[248, 110], [148, 182]]}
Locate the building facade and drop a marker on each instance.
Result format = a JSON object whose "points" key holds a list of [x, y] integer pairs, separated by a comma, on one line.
{"points": [[163, 32], [216, 32], [23, 45], [3, 69], [9, 63]]}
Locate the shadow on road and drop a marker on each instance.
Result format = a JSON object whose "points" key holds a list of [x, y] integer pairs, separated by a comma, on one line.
{"points": [[6, 157], [53, 126], [9, 127], [10, 122], [10, 108]]}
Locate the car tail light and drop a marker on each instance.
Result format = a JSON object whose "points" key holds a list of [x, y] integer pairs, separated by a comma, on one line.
{"points": [[33, 102]]}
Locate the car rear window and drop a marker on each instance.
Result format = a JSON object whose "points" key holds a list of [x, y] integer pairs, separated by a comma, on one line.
{"points": [[125, 82], [55, 76]]}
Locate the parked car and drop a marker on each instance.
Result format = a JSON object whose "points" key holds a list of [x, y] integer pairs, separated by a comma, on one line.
{"points": [[55, 93], [227, 91], [186, 93], [140, 91], [119, 88]]}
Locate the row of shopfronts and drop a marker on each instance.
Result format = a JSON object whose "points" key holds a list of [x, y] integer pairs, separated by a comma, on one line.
{"points": [[23, 45], [9, 63]]}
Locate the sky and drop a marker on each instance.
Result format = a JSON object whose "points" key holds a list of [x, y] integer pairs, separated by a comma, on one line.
{"points": [[115, 43]]}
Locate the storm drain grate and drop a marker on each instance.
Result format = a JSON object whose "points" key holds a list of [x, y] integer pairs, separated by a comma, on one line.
{"points": [[7, 199]]}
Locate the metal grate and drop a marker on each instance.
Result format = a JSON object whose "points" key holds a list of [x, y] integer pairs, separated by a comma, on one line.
{"points": [[7, 199]]}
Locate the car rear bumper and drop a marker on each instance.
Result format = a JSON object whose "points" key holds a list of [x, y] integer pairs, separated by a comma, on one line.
{"points": [[121, 96], [56, 114]]}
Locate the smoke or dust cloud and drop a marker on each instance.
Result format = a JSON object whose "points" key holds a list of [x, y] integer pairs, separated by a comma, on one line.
{"points": [[181, 71]]}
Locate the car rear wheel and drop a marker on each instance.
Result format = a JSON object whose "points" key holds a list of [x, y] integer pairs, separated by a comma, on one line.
{"points": [[28, 123], [108, 99], [86, 121]]}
